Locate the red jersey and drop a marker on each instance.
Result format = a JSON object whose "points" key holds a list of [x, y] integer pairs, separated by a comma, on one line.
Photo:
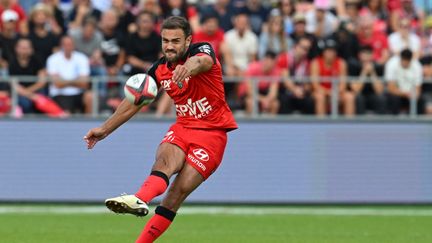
{"points": [[214, 40], [255, 69], [200, 99], [325, 71], [377, 40]]}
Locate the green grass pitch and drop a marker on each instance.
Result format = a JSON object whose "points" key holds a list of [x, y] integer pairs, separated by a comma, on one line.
{"points": [[268, 224]]}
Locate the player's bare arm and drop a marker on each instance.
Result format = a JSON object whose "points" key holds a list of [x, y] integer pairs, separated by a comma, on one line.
{"points": [[193, 66], [124, 112]]}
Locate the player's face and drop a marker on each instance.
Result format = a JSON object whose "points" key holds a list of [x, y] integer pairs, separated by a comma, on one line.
{"points": [[174, 44]]}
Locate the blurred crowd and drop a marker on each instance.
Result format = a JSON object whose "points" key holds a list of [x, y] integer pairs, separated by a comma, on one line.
{"points": [[278, 56]]}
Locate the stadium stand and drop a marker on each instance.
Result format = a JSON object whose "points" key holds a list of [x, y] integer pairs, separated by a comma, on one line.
{"points": [[243, 31]]}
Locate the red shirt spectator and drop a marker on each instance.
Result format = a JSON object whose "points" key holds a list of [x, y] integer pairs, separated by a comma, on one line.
{"points": [[19, 11], [334, 70], [268, 88], [215, 40], [256, 69], [210, 32], [377, 40]]}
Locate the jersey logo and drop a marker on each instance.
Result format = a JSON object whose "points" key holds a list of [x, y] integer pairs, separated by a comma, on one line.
{"points": [[166, 84], [198, 109], [201, 154], [169, 136], [205, 49]]}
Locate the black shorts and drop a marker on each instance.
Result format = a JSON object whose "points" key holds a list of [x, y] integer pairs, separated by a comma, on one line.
{"points": [[70, 103]]}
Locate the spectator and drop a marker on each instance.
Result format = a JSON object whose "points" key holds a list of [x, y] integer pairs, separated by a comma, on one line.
{"points": [[31, 93], [321, 22], [101, 5], [126, 20], [88, 40], [258, 15], [8, 37], [151, 6], [143, 47], [82, 9], [5, 102], [300, 32], [304, 6], [347, 42], [427, 86], [286, 7], [44, 40], [295, 93], [225, 12], [404, 39], [347, 10], [242, 48], [267, 88], [26, 64], [407, 10], [426, 38], [113, 43], [57, 13], [378, 40], [403, 74], [114, 56], [210, 32], [41, 14], [376, 11], [181, 8], [369, 88], [12, 5], [69, 71], [352, 17], [273, 37], [324, 69]]}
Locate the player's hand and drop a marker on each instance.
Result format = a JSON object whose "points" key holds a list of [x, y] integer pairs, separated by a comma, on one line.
{"points": [[93, 136], [180, 73]]}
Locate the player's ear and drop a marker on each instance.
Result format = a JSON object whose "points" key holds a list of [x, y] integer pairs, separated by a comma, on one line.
{"points": [[188, 41]]}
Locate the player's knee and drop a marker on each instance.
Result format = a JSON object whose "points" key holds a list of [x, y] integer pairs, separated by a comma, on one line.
{"points": [[163, 165], [176, 196]]}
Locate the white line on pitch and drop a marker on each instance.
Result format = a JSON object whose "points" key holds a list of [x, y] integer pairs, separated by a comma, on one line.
{"points": [[232, 210]]}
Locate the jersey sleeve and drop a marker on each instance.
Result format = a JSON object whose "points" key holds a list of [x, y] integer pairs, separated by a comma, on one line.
{"points": [[152, 71], [203, 48]]}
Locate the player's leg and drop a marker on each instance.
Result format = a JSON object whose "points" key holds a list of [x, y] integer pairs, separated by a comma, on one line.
{"points": [[186, 182], [169, 160]]}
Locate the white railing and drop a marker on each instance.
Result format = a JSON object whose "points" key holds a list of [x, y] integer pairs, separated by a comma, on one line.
{"points": [[334, 111]]}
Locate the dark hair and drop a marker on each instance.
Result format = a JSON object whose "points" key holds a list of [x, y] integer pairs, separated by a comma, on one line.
{"points": [[89, 20], [148, 13], [406, 54], [270, 54], [208, 16], [366, 48], [176, 22]]}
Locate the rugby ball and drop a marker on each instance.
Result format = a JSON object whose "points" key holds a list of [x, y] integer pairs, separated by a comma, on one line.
{"points": [[140, 89]]}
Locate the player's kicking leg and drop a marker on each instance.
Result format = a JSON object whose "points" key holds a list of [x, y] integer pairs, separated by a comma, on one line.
{"points": [[169, 160], [186, 182]]}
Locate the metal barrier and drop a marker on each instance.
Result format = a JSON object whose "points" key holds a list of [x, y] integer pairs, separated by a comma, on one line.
{"points": [[334, 112]]}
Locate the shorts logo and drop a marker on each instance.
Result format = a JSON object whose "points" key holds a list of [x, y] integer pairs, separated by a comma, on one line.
{"points": [[169, 136], [201, 154]]}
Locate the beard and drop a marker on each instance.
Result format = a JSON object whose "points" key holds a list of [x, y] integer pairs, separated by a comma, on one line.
{"points": [[173, 55]]}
